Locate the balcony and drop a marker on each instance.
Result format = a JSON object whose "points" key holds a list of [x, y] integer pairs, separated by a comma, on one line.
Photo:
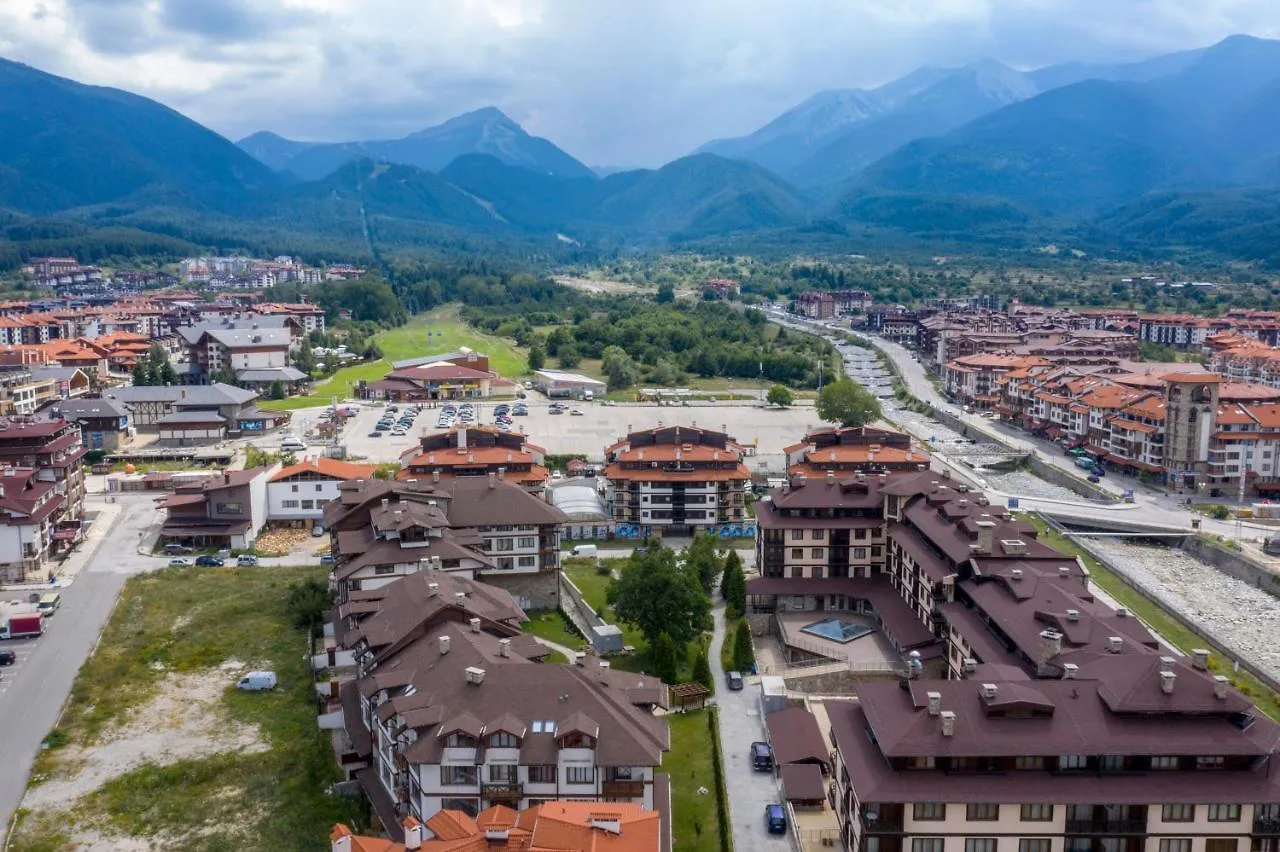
{"points": [[623, 789], [502, 792], [1267, 826], [1106, 826]]}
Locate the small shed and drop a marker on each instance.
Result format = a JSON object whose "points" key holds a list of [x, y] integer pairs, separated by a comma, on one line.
{"points": [[803, 786], [688, 696], [797, 739], [773, 691], [606, 639]]}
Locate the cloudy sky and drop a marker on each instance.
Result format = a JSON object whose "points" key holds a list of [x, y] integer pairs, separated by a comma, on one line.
{"points": [[614, 82]]}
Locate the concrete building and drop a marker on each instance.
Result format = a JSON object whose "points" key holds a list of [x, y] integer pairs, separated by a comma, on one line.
{"points": [[227, 511], [41, 495], [676, 480], [197, 413], [843, 451], [297, 495], [447, 710], [104, 423], [478, 451]]}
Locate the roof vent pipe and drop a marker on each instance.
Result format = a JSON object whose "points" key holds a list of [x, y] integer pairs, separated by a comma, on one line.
{"points": [[1220, 684], [935, 703], [1200, 659], [948, 723], [1166, 682]]}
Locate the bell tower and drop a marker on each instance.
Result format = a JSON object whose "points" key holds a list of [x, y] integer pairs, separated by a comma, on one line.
{"points": [[1191, 405]]}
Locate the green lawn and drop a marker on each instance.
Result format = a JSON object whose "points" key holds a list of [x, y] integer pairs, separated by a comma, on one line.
{"points": [[696, 818], [341, 385], [552, 626], [188, 622], [1159, 620], [449, 332]]}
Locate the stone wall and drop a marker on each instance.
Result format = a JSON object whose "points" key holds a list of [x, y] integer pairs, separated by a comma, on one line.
{"points": [[1233, 564], [531, 591]]}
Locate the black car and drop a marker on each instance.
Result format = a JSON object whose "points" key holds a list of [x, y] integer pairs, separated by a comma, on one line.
{"points": [[762, 756], [209, 561], [376, 433], [8, 658]]}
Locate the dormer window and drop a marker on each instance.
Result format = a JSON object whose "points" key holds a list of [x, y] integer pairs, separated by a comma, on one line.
{"points": [[502, 739], [460, 739], [576, 739]]}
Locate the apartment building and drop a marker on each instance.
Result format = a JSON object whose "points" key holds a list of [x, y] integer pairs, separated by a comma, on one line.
{"points": [[226, 511], [297, 494], [41, 495], [478, 451], [481, 527], [814, 304], [448, 709], [845, 450], [676, 480]]}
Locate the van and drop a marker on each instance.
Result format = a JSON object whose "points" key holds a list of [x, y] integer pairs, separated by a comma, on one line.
{"points": [[584, 550], [588, 395], [257, 681], [292, 445], [49, 603]]}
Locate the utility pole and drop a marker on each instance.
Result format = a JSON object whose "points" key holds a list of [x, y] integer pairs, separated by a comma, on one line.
{"points": [[819, 377], [1240, 499]]}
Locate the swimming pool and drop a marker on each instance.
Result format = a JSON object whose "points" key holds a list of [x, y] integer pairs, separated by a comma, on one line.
{"points": [[837, 629]]}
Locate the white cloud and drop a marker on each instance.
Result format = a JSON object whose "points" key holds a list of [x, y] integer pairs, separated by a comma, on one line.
{"points": [[611, 81]]}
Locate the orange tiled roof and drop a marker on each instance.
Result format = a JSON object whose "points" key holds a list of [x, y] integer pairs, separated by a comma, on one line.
{"points": [[667, 452], [326, 466], [645, 474]]}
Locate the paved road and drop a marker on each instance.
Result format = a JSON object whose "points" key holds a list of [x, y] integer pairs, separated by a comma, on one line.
{"points": [[34, 692], [741, 724]]}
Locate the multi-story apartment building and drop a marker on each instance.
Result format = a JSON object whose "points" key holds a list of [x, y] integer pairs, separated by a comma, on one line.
{"points": [[449, 710], [846, 450], [815, 305], [297, 494], [478, 451], [1030, 715], [482, 527], [676, 480], [41, 495]]}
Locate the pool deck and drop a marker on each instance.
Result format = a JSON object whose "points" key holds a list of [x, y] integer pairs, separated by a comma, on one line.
{"points": [[869, 651]]}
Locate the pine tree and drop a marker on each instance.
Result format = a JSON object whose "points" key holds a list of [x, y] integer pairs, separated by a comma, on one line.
{"points": [[666, 658], [744, 655], [732, 563], [142, 373], [702, 670]]}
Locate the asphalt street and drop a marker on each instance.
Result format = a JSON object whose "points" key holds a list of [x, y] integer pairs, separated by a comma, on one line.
{"points": [[32, 693]]}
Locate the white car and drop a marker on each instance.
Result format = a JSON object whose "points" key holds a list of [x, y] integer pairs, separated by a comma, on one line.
{"points": [[399, 432]]}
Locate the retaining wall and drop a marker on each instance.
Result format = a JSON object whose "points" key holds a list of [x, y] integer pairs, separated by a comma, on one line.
{"points": [[1233, 564]]}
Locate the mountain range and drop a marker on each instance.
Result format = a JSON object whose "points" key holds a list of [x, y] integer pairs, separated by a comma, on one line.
{"points": [[1182, 150]]}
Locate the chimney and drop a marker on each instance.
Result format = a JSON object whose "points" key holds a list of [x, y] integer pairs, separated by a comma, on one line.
{"points": [[460, 598], [1166, 664], [948, 723], [385, 502], [340, 838], [1200, 659], [580, 658], [444, 644], [475, 675], [1166, 682], [226, 477], [831, 477], [986, 535], [435, 475], [1115, 644], [970, 665], [412, 833], [493, 479], [1073, 615], [1122, 612], [1064, 571], [475, 625], [1220, 684], [1069, 671], [502, 474], [433, 590], [604, 669], [504, 647], [1050, 644], [989, 691], [935, 703], [1016, 574]]}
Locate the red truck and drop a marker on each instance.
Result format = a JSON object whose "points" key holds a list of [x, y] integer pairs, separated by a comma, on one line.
{"points": [[22, 626]]}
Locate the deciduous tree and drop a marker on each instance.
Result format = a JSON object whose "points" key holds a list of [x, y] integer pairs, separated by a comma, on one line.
{"points": [[658, 597], [779, 395], [848, 403]]}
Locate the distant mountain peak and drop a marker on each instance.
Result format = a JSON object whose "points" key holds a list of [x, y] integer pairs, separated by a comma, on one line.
{"points": [[475, 118]]}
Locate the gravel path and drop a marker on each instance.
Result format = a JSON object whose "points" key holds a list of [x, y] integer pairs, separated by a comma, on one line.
{"points": [[1243, 616]]}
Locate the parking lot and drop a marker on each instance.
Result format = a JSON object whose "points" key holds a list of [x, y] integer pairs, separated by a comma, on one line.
{"points": [[599, 425], [12, 675]]}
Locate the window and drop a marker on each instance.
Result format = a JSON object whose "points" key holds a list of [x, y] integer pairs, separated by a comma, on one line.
{"points": [[797, 571], [574, 739], [458, 739], [1034, 844], [859, 534], [290, 504], [818, 535], [308, 504], [797, 553], [815, 553], [1211, 762], [859, 553], [457, 776], [1178, 813], [1175, 844], [1073, 761], [506, 563], [527, 541], [230, 508], [1224, 813], [923, 762], [542, 774], [980, 844], [1036, 762], [527, 561], [504, 773], [543, 726], [505, 544], [926, 844], [580, 775], [797, 535], [1164, 761], [618, 773], [293, 488], [929, 810], [1221, 844], [502, 739], [1037, 813], [470, 807], [1111, 763], [982, 811], [384, 569]]}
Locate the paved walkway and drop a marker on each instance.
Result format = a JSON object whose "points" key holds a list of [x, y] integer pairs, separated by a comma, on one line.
{"points": [[740, 725]]}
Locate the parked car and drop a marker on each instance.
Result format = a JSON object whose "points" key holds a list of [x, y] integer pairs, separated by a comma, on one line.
{"points": [[578, 412], [376, 433], [172, 548], [555, 410], [398, 432], [257, 681], [317, 530], [179, 562], [327, 559], [209, 562], [247, 561], [762, 756], [8, 658], [775, 819], [734, 679]]}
